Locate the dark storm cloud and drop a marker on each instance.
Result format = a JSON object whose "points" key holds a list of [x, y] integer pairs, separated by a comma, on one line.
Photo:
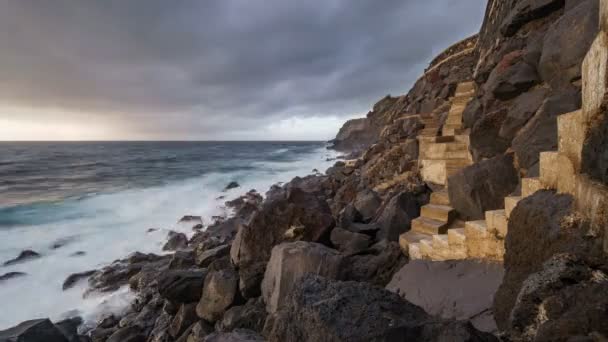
{"points": [[189, 66]]}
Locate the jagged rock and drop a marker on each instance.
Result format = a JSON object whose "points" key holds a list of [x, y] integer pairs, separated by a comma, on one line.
{"points": [[72, 279], [485, 141], [203, 259], [69, 329], [348, 216], [185, 317], [292, 261], [512, 76], [219, 293], [182, 286], [182, 260], [281, 211], [540, 226], [367, 204], [461, 290], [472, 113], [376, 265], [540, 133], [160, 331], [176, 241], [38, 330], [397, 215], [11, 275], [199, 331], [239, 335], [482, 186], [526, 11], [324, 310], [522, 109], [567, 42], [349, 242], [131, 333], [24, 256], [250, 316]]}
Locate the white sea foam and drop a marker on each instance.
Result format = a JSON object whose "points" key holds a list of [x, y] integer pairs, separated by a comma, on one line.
{"points": [[111, 226]]}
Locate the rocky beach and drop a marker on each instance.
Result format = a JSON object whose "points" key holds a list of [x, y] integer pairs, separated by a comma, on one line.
{"points": [[472, 208]]}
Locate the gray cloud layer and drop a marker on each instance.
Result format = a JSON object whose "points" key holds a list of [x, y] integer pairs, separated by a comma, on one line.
{"points": [[201, 68]]}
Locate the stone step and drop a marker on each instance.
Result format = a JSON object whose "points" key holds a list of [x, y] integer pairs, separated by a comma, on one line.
{"points": [[440, 241], [454, 120], [475, 228], [440, 197], [496, 222], [438, 212], [530, 185], [456, 237], [510, 204], [410, 237], [571, 136], [549, 169], [414, 251], [444, 151], [465, 87], [427, 225], [426, 248]]}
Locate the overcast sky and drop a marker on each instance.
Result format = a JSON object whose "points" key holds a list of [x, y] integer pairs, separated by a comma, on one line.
{"points": [[212, 69]]}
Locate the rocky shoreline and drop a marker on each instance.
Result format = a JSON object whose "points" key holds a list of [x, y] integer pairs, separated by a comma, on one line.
{"points": [[331, 257]]}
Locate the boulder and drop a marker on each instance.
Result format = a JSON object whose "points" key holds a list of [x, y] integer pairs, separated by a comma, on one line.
{"points": [[199, 331], [37, 330], [485, 141], [250, 316], [182, 260], [320, 309], [280, 212], [11, 275], [540, 226], [397, 215], [184, 318], [540, 133], [131, 333], [239, 335], [204, 258], [219, 293], [526, 11], [72, 279], [24, 256], [292, 261], [376, 265], [472, 112], [191, 218], [521, 110], [183, 286], [160, 331], [69, 329], [511, 78], [459, 289], [367, 203], [349, 242], [482, 186], [175, 241], [566, 43]]}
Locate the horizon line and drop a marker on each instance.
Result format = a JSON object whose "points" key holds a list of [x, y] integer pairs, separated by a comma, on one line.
{"points": [[211, 140]]}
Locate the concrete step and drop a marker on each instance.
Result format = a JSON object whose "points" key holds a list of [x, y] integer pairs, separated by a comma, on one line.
{"points": [[496, 222], [456, 237], [414, 251], [438, 212], [427, 225], [411, 237], [426, 248], [530, 185], [465, 87], [511, 203], [454, 119], [453, 150], [475, 228], [571, 136], [440, 197], [549, 169], [440, 241]]}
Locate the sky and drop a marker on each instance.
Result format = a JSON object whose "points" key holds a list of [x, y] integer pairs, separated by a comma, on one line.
{"points": [[212, 69]]}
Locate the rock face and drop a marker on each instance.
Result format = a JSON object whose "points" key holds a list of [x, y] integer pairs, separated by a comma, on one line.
{"points": [[397, 215], [183, 286], [176, 241], [38, 330], [219, 293], [482, 186], [540, 226], [250, 316], [292, 261], [324, 310], [461, 290]]}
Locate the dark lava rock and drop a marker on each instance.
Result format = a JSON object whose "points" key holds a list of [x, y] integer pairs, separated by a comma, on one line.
{"points": [[239, 335], [472, 113], [540, 226], [191, 218], [182, 286], [69, 328], [11, 275], [204, 258], [483, 186], [132, 333], [521, 110], [219, 292], [185, 317], [376, 265], [62, 242], [72, 279], [176, 241], [397, 215], [24, 256], [484, 137], [367, 204], [526, 11], [325, 310], [232, 185], [595, 150], [512, 76], [349, 242], [78, 253], [250, 316], [183, 259], [38, 330]]}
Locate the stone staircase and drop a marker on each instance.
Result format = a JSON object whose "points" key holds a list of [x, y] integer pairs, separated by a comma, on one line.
{"points": [[439, 157]]}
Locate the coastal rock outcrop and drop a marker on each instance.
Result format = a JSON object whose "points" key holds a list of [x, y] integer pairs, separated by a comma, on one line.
{"points": [[38, 330]]}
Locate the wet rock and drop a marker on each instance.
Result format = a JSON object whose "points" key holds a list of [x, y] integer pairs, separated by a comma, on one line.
{"points": [[62, 242], [72, 279], [367, 204], [397, 215], [185, 317], [460, 290], [482, 186], [349, 242], [232, 185], [11, 275], [191, 218], [24, 256], [239, 335], [292, 261], [219, 293], [325, 310], [376, 265], [250, 316], [203, 259], [107, 321], [175, 241], [184, 286], [78, 254], [69, 329], [526, 11], [38, 330]]}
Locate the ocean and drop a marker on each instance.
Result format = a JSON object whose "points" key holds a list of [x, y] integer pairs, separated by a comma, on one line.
{"points": [[101, 198]]}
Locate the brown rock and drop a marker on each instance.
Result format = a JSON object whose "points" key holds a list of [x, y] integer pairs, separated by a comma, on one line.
{"points": [[219, 293]]}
